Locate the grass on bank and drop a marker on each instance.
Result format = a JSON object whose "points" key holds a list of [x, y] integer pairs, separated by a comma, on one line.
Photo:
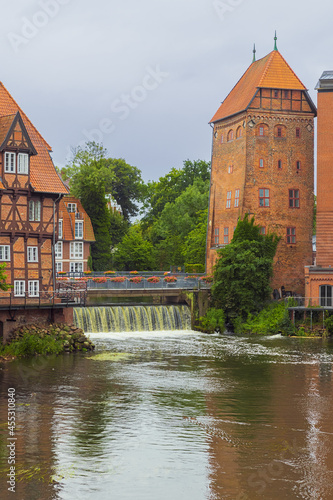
{"points": [[29, 345]]}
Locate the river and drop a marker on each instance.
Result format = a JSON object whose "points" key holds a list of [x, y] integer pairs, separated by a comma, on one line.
{"points": [[174, 415]]}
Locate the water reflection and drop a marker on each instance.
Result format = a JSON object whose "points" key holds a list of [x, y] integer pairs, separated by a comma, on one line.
{"points": [[184, 416]]}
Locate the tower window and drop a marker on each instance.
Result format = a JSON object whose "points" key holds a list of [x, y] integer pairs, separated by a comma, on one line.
{"points": [[291, 235], [226, 236], [298, 165], [216, 236], [279, 163], [298, 133], [222, 139], [239, 132], [279, 132], [276, 93], [293, 198], [261, 163], [264, 197], [237, 198], [261, 130], [230, 135], [228, 204], [263, 230], [230, 169]]}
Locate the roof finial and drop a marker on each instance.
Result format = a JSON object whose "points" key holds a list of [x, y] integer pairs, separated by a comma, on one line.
{"points": [[254, 53], [275, 38]]}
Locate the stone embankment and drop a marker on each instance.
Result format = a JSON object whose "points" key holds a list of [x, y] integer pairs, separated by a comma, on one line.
{"points": [[72, 338]]}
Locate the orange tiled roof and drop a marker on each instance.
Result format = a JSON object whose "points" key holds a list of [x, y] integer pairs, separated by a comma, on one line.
{"points": [[43, 175], [68, 219], [272, 71]]}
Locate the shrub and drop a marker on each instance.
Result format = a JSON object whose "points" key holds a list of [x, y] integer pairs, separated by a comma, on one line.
{"points": [[329, 324], [29, 345], [213, 321], [194, 268], [274, 318]]}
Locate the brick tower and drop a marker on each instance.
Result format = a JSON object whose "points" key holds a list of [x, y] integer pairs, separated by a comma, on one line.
{"points": [[262, 164]]}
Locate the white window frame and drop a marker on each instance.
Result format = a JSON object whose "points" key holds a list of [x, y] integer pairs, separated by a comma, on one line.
{"points": [[32, 253], [33, 288], [72, 266], [34, 210], [76, 250], [23, 163], [58, 250], [79, 231], [4, 253], [58, 267], [60, 229], [237, 198], [71, 207], [226, 236], [10, 162], [228, 204], [19, 288]]}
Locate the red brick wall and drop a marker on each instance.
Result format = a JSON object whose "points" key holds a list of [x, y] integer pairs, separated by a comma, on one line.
{"points": [[244, 155]]}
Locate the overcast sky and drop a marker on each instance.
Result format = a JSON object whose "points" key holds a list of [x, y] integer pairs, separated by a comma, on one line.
{"points": [[145, 77]]}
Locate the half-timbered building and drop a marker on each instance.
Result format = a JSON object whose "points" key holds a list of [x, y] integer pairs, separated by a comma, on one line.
{"points": [[30, 191]]}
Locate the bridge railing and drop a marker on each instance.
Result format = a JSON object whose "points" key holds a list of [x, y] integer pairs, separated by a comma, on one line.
{"points": [[145, 283], [59, 298], [309, 302]]}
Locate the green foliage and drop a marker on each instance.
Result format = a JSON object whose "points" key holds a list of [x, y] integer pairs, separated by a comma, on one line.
{"points": [[30, 344], [171, 186], [243, 271], [118, 228], [329, 324], [272, 319], [194, 248], [3, 277], [213, 321], [134, 252], [194, 268], [169, 233]]}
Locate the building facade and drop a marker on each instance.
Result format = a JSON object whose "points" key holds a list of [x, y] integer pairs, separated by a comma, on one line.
{"points": [[30, 190], [263, 164], [319, 278], [75, 236]]}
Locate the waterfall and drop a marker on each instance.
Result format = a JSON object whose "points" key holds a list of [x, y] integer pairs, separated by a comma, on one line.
{"points": [[132, 318]]}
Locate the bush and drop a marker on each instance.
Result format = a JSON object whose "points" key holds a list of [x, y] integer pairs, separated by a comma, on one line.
{"points": [[213, 321], [29, 345], [194, 268], [274, 318], [329, 324]]}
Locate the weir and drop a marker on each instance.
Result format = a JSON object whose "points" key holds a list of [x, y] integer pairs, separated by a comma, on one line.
{"points": [[132, 318]]}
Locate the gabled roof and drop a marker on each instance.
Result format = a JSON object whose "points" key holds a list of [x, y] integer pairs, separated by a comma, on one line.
{"points": [[69, 218], [43, 175], [272, 71], [8, 124]]}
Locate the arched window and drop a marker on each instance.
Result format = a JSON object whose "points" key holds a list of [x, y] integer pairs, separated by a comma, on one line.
{"points": [[262, 130], [230, 136], [238, 132], [280, 131], [325, 295]]}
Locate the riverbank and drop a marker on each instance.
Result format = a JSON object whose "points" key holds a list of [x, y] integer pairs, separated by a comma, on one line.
{"points": [[34, 339]]}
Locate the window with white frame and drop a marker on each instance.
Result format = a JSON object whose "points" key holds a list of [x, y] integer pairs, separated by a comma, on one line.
{"points": [[76, 267], [58, 250], [10, 162], [79, 229], [32, 254], [226, 236], [58, 267], [237, 198], [34, 210], [33, 288], [76, 250], [71, 207], [228, 204], [19, 288], [22, 163], [60, 229], [4, 252]]}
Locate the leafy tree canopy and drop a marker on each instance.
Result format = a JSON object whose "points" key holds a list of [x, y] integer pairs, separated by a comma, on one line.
{"points": [[243, 271], [134, 252]]}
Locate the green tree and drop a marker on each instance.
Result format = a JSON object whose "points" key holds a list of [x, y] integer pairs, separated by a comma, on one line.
{"points": [[3, 278], [243, 271], [194, 248], [177, 220], [134, 252]]}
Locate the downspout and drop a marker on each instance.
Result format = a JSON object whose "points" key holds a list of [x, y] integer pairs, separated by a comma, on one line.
{"points": [[54, 230], [210, 187]]}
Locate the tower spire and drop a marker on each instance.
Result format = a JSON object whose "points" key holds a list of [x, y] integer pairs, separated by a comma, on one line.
{"points": [[254, 53], [275, 39]]}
